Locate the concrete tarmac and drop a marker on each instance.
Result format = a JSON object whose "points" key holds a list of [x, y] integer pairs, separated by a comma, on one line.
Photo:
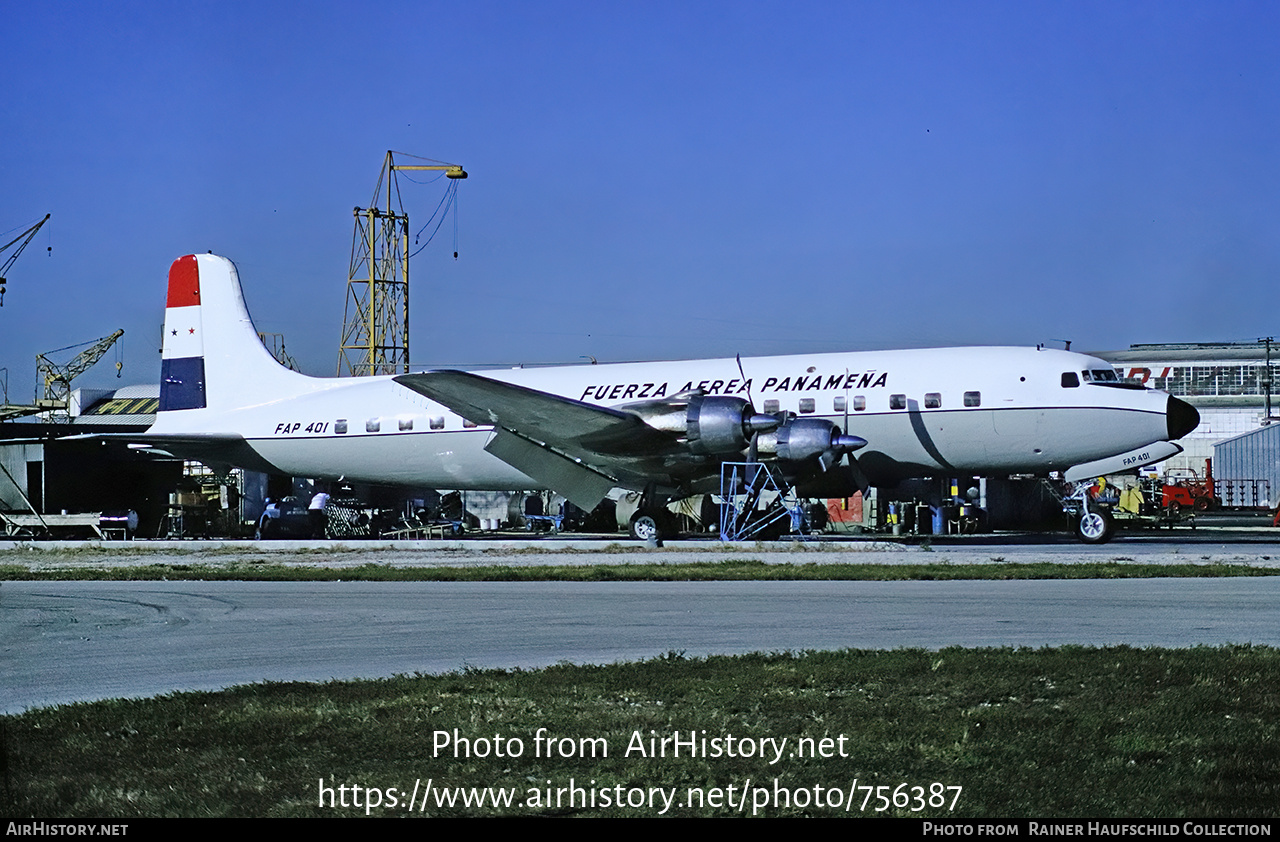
{"points": [[69, 641]]}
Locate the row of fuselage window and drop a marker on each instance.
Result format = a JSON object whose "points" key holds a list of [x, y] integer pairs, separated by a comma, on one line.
{"points": [[808, 406], [932, 400], [403, 425]]}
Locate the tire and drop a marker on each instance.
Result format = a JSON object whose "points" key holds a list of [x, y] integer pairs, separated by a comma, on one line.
{"points": [[1095, 527], [652, 524]]}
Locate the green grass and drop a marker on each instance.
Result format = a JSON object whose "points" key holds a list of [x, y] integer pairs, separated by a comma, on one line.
{"points": [[728, 570], [1071, 731]]}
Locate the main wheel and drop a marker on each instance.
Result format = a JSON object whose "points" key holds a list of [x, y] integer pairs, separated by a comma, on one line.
{"points": [[1095, 527], [652, 524]]}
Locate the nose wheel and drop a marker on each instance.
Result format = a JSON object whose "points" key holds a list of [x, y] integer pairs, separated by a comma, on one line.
{"points": [[1095, 527]]}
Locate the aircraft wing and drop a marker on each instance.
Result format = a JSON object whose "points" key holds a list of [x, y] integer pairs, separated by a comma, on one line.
{"points": [[576, 448]]}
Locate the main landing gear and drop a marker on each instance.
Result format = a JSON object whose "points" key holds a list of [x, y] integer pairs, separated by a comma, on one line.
{"points": [[652, 522]]}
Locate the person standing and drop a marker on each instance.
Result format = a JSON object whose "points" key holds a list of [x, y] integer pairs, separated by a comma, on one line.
{"points": [[317, 515]]}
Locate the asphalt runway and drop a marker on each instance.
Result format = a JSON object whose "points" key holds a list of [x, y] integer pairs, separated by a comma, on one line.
{"points": [[71, 641]]}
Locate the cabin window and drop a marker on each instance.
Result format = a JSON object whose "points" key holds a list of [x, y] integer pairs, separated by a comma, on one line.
{"points": [[771, 406], [437, 423], [932, 400], [468, 424], [340, 426], [859, 403], [373, 425], [973, 399], [897, 401], [807, 406], [1070, 380], [406, 424], [839, 404]]}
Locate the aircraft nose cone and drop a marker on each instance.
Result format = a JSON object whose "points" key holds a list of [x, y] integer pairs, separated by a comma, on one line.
{"points": [[1182, 418]]}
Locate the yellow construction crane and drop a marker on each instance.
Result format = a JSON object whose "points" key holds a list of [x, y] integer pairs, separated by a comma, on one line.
{"points": [[26, 237], [57, 378], [375, 327]]}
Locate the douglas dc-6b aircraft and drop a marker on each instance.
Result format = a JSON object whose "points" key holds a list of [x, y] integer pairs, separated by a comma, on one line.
{"points": [[661, 428]]}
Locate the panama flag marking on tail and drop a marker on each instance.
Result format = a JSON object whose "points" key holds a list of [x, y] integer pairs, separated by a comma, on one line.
{"points": [[182, 365]]}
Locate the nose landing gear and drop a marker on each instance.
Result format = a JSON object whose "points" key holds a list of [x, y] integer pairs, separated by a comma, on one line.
{"points": [[1095, 527]]}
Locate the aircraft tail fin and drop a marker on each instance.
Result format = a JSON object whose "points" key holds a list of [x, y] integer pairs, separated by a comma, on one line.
{"points": [[213, 357]]}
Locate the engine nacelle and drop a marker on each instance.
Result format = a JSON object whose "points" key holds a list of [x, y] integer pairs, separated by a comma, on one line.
{"points": [[805, 438], [718, 424], [802, 439], [712, 425]]}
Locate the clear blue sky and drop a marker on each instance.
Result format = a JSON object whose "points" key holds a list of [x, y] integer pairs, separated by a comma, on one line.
{"points": [[653, 180]]}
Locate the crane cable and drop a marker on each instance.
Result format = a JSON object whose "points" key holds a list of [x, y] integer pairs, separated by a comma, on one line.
{"points": [[448, 201]]}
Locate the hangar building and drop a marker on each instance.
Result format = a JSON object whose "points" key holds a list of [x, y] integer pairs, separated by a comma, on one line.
{"points": [[1228, 383]]}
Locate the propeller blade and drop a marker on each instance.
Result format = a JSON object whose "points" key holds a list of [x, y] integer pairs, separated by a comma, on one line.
{"points": [[743, 375]]}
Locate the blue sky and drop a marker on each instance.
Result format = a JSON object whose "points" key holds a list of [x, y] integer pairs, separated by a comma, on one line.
{"points": [[652, 180]]}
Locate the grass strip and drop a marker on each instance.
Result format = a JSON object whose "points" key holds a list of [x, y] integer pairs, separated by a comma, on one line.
{"points": [[728, 570], [1063, 732]]}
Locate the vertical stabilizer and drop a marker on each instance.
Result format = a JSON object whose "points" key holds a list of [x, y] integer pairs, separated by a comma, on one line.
{"points": [[182, 384], [212, 356]]}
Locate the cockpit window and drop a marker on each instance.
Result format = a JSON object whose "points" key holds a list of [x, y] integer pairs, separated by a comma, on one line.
{"points": [[1100, 375]]}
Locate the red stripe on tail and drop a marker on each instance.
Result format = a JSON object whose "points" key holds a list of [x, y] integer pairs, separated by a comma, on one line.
{"points": [[184, 282]]}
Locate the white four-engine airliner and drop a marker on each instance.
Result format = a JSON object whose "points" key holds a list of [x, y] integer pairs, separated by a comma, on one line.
{"points": [[827, 422]]}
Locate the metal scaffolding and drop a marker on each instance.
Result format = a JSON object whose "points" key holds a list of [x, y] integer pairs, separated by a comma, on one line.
{"points": [[375, 327], [757, 502]]}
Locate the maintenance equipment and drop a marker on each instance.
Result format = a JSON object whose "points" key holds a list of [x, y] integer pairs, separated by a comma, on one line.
{"points": [[375, 326]]}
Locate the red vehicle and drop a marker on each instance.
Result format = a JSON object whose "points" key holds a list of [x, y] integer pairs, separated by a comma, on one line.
{"points": [[1185, 489]]}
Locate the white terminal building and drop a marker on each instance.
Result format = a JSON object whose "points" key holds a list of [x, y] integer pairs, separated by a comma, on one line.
{"points": [[1228, 383]]}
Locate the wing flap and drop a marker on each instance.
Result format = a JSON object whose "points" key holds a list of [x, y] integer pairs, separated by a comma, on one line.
{"points": [[581, 485]]}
